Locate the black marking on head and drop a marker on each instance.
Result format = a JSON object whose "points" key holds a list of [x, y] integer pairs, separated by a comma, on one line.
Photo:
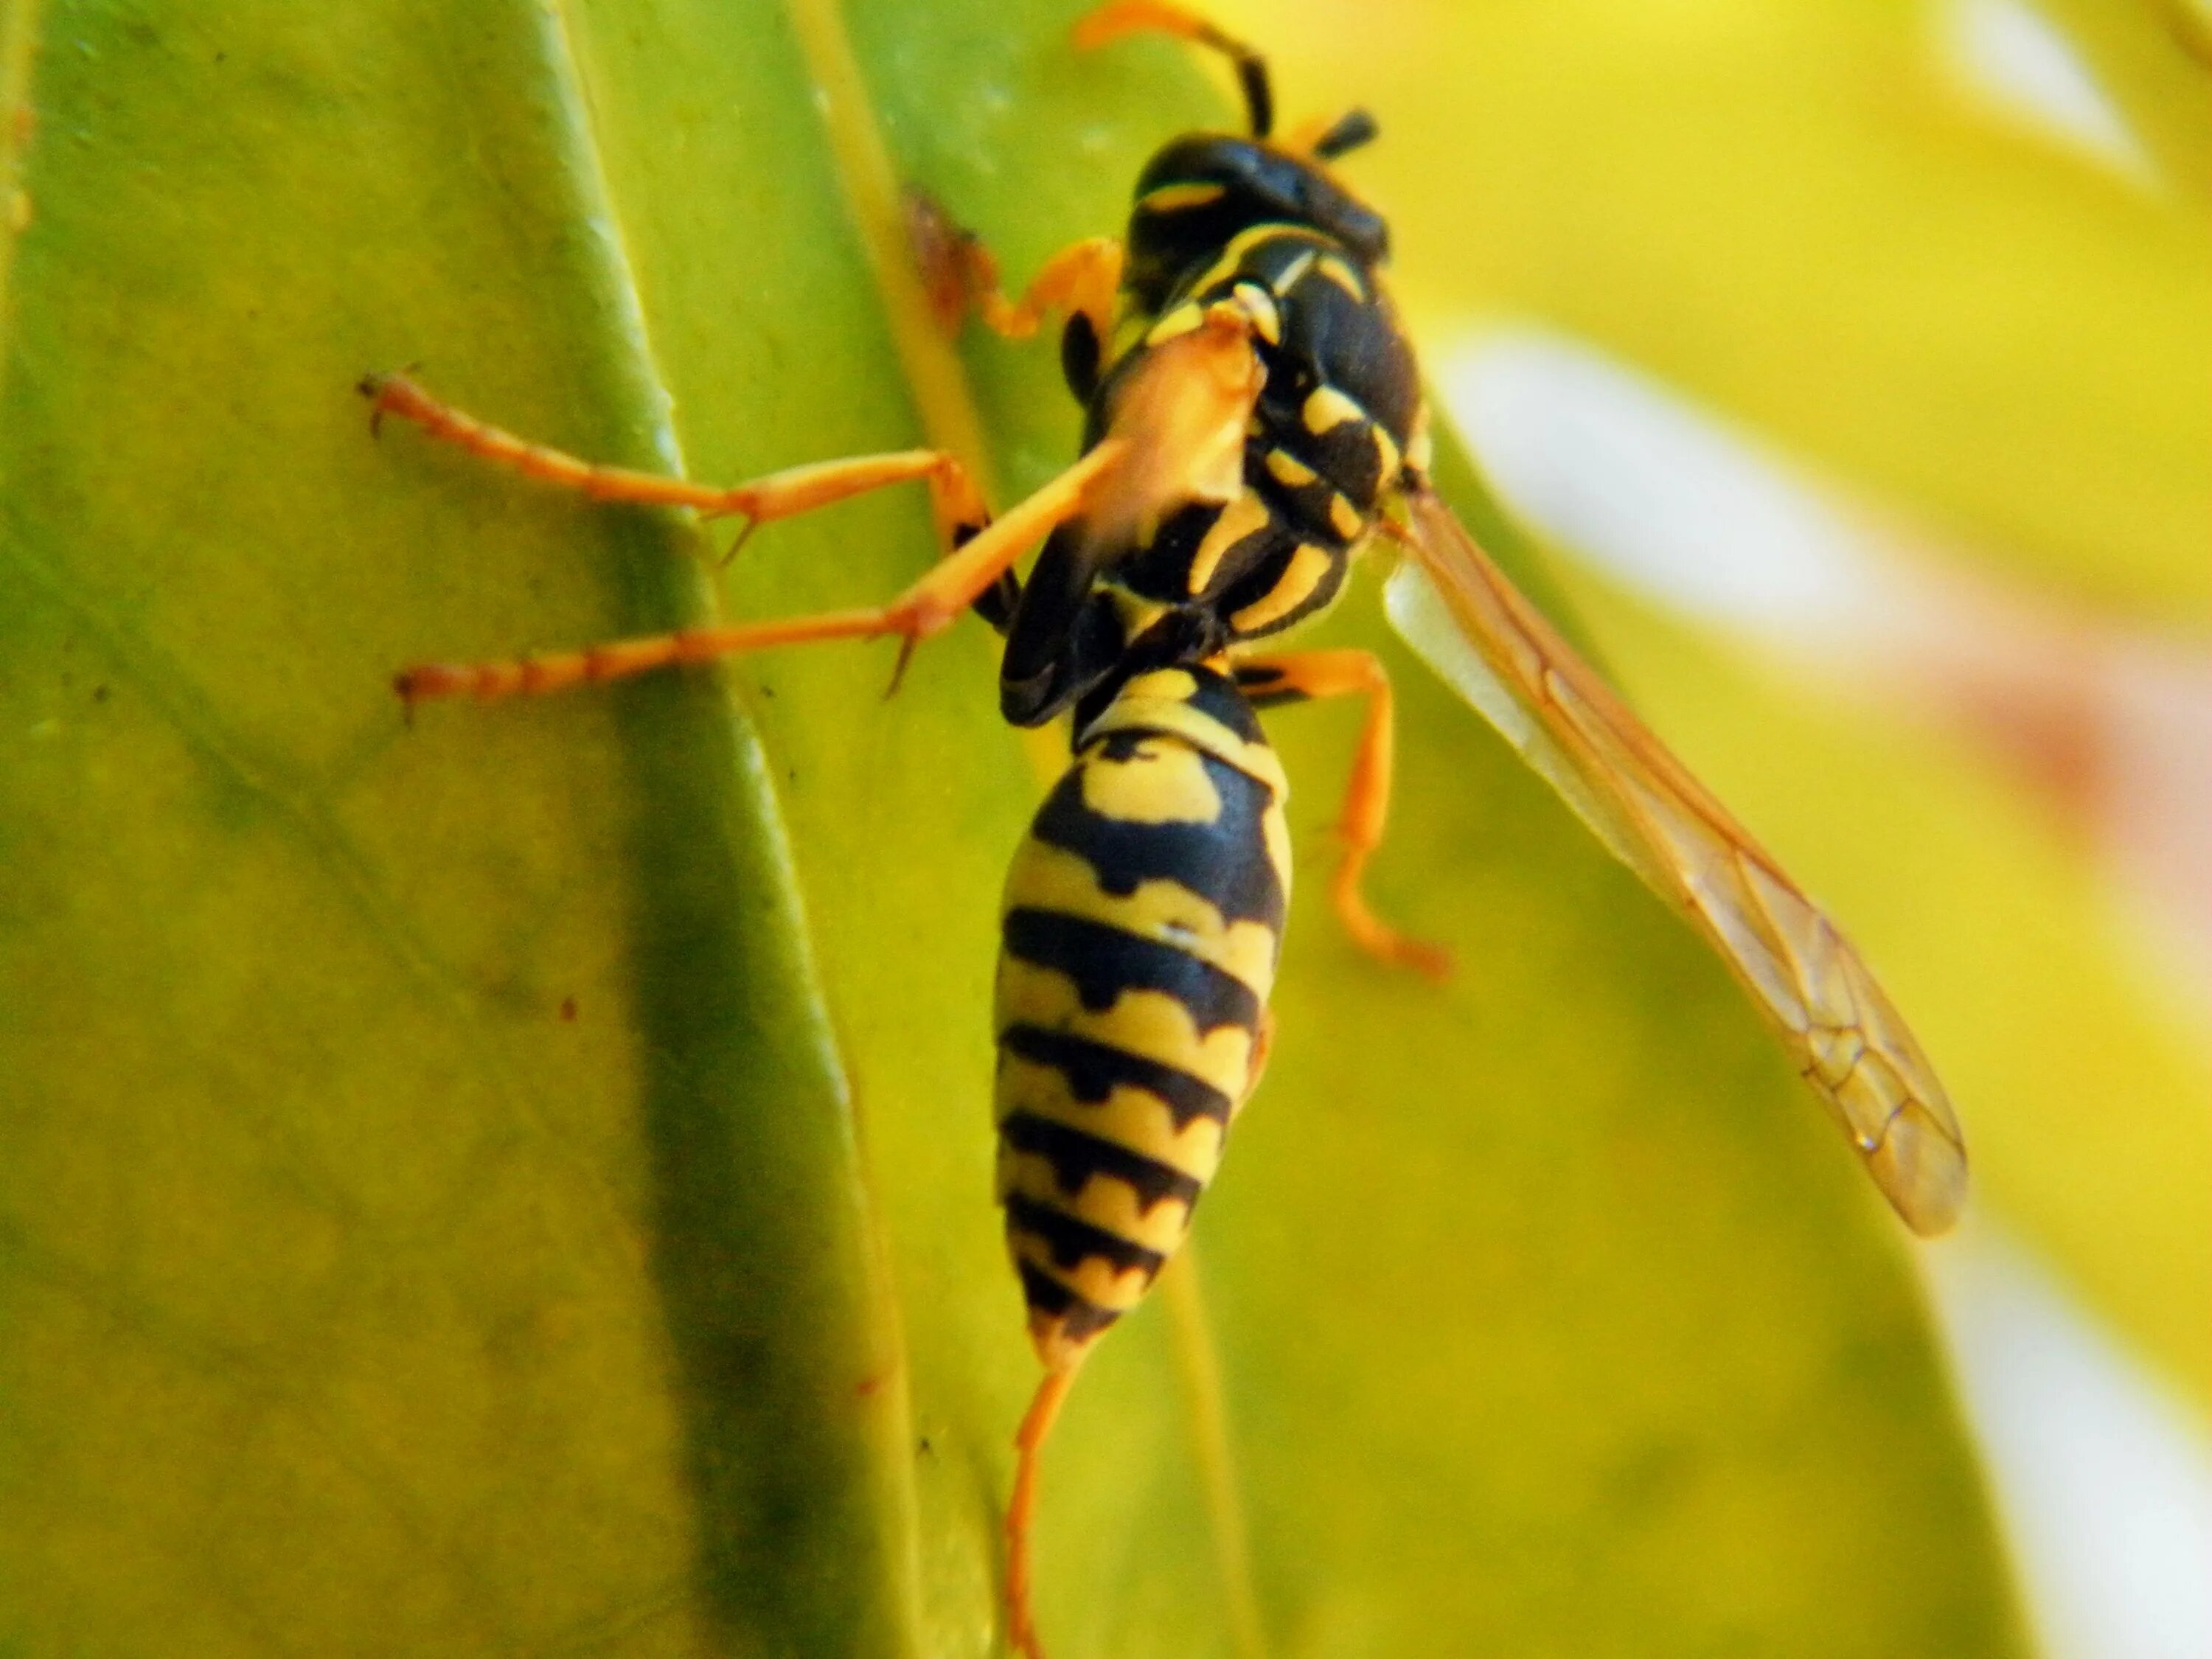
{"points": [[1081, 1317], [1104, 962], [1224, 862], [1076, 1157], [1095, 1070], [1071, 1239]]}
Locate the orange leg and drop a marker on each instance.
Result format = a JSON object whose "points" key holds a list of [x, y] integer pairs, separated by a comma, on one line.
{"points": [[1305, 674], [1021, 1508], [1120, 17], [927, 607], [1081, 279], [957, 503]]}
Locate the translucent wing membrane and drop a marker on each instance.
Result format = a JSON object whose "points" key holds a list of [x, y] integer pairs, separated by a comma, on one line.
{"points": [[1459, 610]]}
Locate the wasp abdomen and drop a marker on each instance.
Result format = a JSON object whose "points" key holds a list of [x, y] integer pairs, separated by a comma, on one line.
{"points": [[1143, 917]]}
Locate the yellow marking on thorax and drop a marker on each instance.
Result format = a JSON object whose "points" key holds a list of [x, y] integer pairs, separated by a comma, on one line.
{"points": [[1179, 199], [1130, 1117], [1182, 320], [1341, 273], [1232, 255], [1343, 516], [1052, 878], [1247, 513], [1328, 409], [1387, 458], [1289, 471], [1307, 568]]}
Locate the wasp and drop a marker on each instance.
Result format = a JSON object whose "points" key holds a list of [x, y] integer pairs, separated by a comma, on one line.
{"points": [[1254, 423]]}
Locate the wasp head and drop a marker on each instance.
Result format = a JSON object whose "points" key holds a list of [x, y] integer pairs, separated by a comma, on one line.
{"points": [[1205, 188]]}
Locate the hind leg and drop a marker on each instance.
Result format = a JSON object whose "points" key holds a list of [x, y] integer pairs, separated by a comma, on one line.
{"points": [[1303, 675]]}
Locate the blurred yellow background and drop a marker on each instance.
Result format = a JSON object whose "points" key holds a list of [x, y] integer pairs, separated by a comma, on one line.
{"points": [[1857, 358]]}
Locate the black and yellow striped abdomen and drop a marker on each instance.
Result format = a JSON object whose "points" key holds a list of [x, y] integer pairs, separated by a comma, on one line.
{"points": [[1143, 917]]}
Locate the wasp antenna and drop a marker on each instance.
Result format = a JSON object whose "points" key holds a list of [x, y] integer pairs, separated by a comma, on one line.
{"points": [[1120, 17], [1352, 129]]}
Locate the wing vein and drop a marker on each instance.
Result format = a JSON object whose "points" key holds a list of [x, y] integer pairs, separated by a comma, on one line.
{"points": [[1848, 1040]]}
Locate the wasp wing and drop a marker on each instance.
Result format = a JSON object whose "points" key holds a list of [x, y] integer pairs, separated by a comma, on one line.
{"points": [[1456, 607]]}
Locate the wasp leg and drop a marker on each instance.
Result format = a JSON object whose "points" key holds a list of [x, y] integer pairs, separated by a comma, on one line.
{"points": [[1309, 674], [966, 575], [958, 504], [1080, 279], [1120, 17], [1021, 1507]]}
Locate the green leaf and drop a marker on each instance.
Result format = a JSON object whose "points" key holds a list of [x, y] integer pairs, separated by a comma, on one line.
{"points": [[523, 1181]]}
